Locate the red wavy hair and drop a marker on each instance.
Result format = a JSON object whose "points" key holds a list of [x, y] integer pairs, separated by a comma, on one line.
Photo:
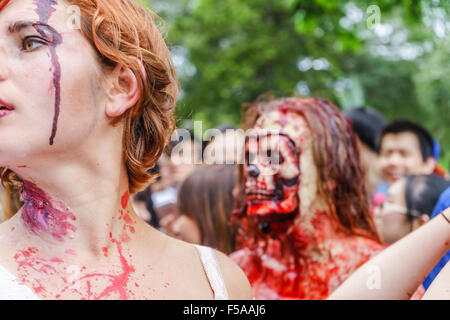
{"points": [[121, 31]]}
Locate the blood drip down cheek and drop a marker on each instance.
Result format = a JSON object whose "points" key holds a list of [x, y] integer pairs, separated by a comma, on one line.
{"points": [[44, 8]]}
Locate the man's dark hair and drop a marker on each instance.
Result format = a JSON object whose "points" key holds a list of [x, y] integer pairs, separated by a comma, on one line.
{"points": [[422, 192], [367, 123], [425, 139]]}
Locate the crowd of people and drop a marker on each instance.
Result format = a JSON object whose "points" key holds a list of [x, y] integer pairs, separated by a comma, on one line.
{"points": [[302, 196], [390, 190]]}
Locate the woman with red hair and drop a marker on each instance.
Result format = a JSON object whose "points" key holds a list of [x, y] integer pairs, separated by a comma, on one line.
{"points": [[84, 113]]}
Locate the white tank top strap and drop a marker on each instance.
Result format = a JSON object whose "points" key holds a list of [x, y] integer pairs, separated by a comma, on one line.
{"points": [[212, 270], [12, 289]]}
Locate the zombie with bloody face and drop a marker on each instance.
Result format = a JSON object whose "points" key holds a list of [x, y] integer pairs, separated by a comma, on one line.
{"points": [[304, 217]]}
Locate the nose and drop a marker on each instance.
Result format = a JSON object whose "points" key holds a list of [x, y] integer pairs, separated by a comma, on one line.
{"points": [[396, 159], [253, 171]]}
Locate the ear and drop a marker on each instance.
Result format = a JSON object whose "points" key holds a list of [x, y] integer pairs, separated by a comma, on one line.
{"points": [[429, 165], [123, 90]]}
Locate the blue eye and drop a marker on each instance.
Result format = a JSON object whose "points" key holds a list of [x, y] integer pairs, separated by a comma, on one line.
{"points": [[30, 44]]}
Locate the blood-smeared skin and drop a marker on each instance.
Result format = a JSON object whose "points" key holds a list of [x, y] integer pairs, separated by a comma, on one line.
{"points": [[284, 268], [3, 4], [44, 8], [273, 194], [118, 283], [42, 214], [32, 269], [124, 200], [29, 263], [71, 252]]}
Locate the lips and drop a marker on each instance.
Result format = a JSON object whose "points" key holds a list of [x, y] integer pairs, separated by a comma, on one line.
{"points": [[395, 175], [260, 195], [5, 106]]}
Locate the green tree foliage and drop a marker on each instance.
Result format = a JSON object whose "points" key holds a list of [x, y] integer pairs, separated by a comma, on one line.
{"points": [[229, 52]]}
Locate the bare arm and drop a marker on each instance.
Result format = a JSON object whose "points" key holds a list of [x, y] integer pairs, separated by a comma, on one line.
{"points": [[440, 287], [396, 272]]}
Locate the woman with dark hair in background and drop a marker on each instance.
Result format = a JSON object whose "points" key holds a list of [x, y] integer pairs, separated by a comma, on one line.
{"points": [[368, 124], [409, 205], [205, 202]]}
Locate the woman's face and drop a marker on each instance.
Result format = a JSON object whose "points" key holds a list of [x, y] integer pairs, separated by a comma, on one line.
{"points": [[392, 224], [49, 82]]}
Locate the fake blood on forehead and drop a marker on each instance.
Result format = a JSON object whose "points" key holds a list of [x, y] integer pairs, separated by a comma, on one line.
{"points": [[44, 8], [3, 4]]}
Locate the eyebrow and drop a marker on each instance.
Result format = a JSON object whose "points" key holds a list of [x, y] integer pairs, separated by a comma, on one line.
{"points": [[20, 25]]}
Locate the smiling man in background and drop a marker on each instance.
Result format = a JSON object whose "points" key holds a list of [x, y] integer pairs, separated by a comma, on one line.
{"points": [[405, 148]]}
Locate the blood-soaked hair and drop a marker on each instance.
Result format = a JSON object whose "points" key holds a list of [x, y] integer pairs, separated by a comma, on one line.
{"points": [[336, 155], [121, 31]]}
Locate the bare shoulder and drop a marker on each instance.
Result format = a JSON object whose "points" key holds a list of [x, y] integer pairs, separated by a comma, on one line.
{"points": [[185, 254], [236, 281]]}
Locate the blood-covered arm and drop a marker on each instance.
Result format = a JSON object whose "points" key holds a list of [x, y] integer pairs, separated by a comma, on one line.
{"points": [[396, 272]]}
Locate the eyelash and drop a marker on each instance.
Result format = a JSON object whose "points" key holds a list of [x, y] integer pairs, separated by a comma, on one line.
{"points": [[34, 40]]}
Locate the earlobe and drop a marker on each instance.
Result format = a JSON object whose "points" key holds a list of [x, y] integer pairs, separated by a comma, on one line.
{"points": [[123, 91]]}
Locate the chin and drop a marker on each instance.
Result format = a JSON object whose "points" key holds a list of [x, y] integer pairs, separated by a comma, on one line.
{"points": [[276, 224]]}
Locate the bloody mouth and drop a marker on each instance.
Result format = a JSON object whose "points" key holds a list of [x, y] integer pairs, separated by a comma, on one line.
{"points": [[263, 196]]}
